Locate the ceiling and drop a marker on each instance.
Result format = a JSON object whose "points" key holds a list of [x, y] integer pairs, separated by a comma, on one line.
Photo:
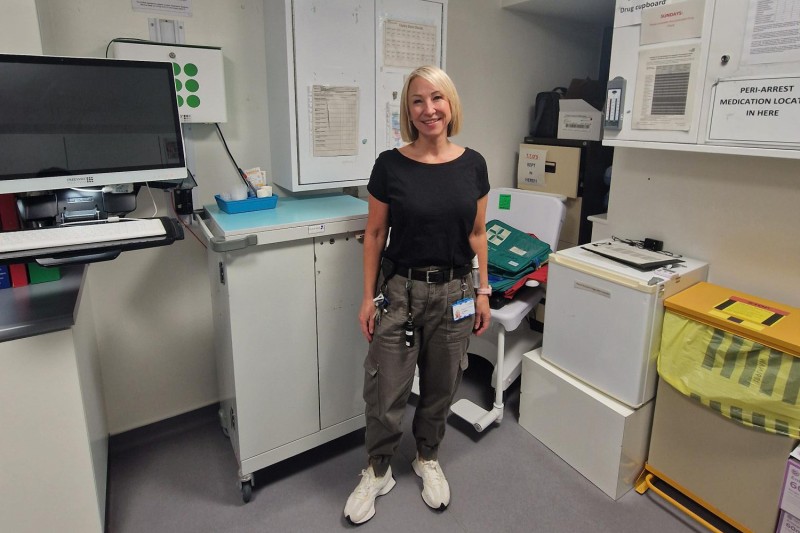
{"points": [[600, 12]]}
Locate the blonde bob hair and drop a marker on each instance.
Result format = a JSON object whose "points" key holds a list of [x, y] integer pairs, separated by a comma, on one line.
{"points": [[439, 79]]}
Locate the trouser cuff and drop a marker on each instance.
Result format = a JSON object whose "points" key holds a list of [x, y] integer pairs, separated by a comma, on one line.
{"points": [[380, 464], [427, 453]]}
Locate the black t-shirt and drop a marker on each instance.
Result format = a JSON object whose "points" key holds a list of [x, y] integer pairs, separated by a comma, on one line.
{"points": [[432, 207]]}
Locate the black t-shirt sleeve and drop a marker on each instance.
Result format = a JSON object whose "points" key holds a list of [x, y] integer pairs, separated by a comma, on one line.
{"points": [[483, 177], [378, 180]]}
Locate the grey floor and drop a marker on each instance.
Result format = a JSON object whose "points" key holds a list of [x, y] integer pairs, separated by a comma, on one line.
{"points": [[181, 475]]}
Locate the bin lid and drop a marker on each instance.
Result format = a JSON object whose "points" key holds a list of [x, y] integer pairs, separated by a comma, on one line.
{"points": [[770, 323]]}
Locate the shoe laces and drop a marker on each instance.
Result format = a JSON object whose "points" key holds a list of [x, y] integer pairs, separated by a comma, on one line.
{"points": [[432, 472], [368, 479]]}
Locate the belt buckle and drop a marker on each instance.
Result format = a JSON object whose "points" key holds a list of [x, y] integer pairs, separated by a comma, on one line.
{"points": [[428, 275]]}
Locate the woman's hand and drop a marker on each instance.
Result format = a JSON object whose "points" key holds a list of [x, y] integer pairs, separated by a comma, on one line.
{"points": [[366, 318], [483, 314]]}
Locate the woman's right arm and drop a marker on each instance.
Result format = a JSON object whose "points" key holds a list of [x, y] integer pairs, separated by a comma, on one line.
{"points": [[374, 243]]}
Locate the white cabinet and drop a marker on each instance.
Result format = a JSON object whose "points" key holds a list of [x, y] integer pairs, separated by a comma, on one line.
{"points": [[702, 85], [55, 443], [285, 299], [333, 84]]}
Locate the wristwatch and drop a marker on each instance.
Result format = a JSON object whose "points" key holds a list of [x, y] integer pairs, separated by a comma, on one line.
{"points": [[484, 290]]}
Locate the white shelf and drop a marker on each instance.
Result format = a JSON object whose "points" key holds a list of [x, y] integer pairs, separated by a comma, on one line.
{"points": [[787, 153]]}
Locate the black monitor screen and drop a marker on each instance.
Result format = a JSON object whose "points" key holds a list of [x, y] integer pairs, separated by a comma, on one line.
{"points": [[101, 120]]}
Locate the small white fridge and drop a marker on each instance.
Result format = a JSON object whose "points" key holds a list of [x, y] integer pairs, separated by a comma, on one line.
{"points": [[603, 318]]}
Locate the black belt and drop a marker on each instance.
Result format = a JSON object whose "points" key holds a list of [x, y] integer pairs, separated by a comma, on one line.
{"points": [[430, 275]]}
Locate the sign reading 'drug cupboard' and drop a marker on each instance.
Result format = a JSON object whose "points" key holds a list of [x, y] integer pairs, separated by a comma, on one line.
{"points": [[763, 110]]}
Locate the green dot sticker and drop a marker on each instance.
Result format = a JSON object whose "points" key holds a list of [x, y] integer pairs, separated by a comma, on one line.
{"points": [[190, 69], [180, 101], [192, 86], [193, 101], [178, 85], [176, 69]]}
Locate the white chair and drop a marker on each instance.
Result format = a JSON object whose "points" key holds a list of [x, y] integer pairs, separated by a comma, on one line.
{"points": [[505, 342]]}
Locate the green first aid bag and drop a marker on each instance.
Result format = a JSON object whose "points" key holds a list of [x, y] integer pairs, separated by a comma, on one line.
{"points": [[512, 251]]}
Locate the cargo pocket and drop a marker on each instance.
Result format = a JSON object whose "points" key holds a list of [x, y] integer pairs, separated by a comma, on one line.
{"points": [[372, 390]]}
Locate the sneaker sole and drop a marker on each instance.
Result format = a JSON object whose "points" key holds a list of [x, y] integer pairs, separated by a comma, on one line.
{"points": [[389, 486], [442, 506]]}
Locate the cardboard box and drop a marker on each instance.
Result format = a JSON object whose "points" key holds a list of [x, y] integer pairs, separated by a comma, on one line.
{"points": [[579, 120], [790, 496], [603, 439], [561, 170], [788, 523]]}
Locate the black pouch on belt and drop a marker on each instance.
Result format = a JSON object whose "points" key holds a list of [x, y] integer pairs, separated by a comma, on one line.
{"points": [[388, 268]]}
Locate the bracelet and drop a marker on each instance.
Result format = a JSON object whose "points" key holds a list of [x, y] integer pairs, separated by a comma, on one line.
{"points": [[484, 290]]}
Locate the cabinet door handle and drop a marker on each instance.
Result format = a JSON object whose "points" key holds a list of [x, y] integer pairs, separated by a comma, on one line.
{"points": [[221, 244], [360, 237]]}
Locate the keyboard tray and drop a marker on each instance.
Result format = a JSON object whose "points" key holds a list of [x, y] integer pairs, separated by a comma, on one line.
{"points": [[94, 252]]}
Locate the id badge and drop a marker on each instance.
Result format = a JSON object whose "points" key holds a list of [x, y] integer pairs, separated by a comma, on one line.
{"points": [[463, 308]]}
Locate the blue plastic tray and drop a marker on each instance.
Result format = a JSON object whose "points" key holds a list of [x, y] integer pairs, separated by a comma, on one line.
{"points": [[248, 204]]}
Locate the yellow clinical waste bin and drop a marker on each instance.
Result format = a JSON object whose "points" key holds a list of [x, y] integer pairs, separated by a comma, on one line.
{"points": [[727, 415]]}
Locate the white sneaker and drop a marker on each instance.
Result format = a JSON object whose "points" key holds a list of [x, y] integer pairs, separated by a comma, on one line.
{"points": [[435, 489], [360, 506]]}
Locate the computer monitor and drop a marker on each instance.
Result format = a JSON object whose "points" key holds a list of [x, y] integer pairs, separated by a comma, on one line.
{"points": [[68, 122]]}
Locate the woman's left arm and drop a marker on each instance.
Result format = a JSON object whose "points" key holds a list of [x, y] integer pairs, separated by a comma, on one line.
{"points": [[477, 241]]}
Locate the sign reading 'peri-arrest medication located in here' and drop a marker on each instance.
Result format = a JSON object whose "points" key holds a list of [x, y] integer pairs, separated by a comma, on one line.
{"points": [[757, 110]]}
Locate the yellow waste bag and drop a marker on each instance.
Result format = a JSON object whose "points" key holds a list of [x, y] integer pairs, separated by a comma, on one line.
{"points": [[741, 379]]}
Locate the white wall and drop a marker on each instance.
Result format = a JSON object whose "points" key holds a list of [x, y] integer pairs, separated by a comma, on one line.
{"points": [[499, 60], [152, 307], [741, 214], [19, 31]]}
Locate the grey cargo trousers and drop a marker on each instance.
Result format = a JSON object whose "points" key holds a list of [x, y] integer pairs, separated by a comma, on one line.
{"points": [[440, 351]]}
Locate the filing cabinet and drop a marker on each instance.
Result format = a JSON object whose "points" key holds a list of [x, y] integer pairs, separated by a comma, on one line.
{"points": [[575, 169]]}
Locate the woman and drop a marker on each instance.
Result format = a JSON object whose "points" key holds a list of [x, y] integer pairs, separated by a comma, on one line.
{"points": [[420, 306]]}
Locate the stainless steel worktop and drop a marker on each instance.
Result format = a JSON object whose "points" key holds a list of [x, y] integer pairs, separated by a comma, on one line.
{"points": [[42, 307]]}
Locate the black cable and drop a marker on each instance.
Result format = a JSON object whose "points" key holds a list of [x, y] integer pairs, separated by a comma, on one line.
{"points": [[126, 40], [235, 164], [640, 244], [629, 242]]}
